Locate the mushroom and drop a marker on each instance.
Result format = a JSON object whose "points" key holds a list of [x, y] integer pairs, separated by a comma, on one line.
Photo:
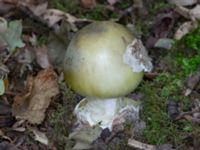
{"points": [[104, 62]]}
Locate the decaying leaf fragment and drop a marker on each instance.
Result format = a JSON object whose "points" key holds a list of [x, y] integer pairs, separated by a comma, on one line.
{"points": [[32, 104], [192, 14], [42, 56], [183, 2], [185, 28], [85, 136], [40, 136]]}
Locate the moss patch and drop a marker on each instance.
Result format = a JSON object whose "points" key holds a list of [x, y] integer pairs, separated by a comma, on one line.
{"points": [[169, 85]]}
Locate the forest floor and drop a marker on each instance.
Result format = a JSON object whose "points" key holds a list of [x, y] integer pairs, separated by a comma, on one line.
{"points": [[36, 107]]}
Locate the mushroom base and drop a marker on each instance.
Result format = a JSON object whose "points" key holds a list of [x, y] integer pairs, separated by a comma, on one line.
{"points": [[106, 112]]}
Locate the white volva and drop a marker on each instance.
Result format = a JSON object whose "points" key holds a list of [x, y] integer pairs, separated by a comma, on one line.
{"points": [[103, 112]]}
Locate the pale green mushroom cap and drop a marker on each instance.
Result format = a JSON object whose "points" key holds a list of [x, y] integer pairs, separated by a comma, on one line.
{"points": [[105, 61], [96, 62]]}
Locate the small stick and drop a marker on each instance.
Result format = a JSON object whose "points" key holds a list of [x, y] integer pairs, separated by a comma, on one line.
{"points": [[137, 144]]}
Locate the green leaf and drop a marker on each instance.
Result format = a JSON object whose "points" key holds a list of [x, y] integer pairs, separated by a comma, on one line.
{"points": [[2, 87], [12, 36]]}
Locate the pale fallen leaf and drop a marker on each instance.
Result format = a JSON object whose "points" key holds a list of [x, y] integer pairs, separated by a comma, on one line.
{"points": [[53, 16], [183, 11], [165, 43], [2, 135], [88, 3], [85, 136], [40, 136], [195, 12], [184, 29], [17, 126], [183, 2], [32, 104], [42, 56]]}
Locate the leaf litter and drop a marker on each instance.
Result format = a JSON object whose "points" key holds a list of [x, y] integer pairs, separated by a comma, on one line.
{"points": [[32, 104]]}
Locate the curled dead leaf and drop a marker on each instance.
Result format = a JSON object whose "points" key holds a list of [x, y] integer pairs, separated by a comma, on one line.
{"points": [[193, 14], [40, 136], [32, 104], [184, 29], [53, 16]]}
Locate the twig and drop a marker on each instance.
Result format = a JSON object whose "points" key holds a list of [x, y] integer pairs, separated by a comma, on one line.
{"points": [[183, 114], [137, 144]]}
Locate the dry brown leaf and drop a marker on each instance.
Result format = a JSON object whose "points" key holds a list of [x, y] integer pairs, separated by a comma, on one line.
{"points": [[40, 136], [53, 16], [88, 3], [42, 57], [195, 12], [32, 104], [184, 29], [192, 14], [38, 7]]}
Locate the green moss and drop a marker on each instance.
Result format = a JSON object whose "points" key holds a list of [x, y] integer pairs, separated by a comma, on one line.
{"points": [[124, 4], [188, 56], [61, 119], [42, 40], [183, 59], [157, 6], [159, 126], [99, 12], [65, 5]]}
